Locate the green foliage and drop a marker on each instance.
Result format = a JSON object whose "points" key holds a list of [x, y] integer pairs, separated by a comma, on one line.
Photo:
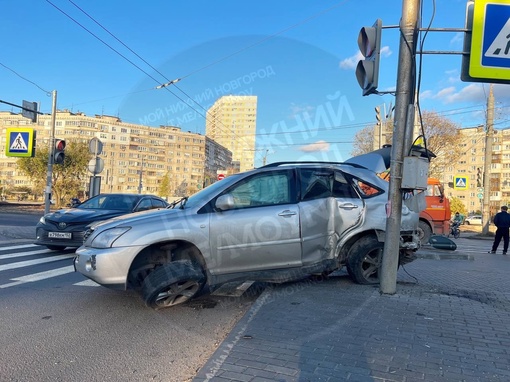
{"points": [[67, 178], [164, 188], [456, 205]]}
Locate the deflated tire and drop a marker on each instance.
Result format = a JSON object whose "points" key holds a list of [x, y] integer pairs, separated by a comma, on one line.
{"points": [[172, 284]]}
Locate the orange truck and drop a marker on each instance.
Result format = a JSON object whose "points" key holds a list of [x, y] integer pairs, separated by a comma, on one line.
{"points": [[435, 218]]}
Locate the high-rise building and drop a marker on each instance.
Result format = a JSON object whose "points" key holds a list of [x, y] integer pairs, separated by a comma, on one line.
{"points": [[136, 157], [232, 122]]}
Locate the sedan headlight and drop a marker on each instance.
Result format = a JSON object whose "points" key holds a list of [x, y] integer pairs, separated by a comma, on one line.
{"points": [[106, 238], [42, 220]]}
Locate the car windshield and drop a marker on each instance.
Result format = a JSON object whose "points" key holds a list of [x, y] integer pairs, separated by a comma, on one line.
{"points": [[110, 202]]}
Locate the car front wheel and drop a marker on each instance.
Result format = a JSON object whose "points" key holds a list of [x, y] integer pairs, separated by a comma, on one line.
{"points": [[364, 260], [172, 284]]}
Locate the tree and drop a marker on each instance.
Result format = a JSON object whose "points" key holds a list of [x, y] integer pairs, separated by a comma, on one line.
{"points": [[442, 135], [363, 141], [66, 178], [456, 205], [164, 188]]}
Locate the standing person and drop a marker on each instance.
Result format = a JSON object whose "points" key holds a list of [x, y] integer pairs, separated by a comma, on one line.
{"points": [[502, 222]]}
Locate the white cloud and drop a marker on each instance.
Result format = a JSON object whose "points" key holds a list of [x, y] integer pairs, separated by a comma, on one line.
{"points": [[316, 146], [351, 62]]}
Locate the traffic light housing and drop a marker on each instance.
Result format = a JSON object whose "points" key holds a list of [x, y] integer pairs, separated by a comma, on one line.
{"points": [[479, 179], [59, 151], [367, 70]]}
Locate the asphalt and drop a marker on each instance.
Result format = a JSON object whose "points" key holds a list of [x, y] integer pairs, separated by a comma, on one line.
{"points": [[448, 321]]}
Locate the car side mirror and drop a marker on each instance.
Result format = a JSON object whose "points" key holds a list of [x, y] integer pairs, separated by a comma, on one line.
{"points": [[225, 202]]}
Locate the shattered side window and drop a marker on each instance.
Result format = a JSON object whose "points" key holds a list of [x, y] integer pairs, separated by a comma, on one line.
{"points": [[315, 183], [343, 188]]}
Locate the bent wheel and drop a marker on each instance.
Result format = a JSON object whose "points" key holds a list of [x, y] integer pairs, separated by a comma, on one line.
{"points": [[364, 260], [172, 284]]}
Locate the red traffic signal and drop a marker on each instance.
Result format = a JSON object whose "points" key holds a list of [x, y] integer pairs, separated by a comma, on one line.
{"points": [[367, 70], [58, 154]]}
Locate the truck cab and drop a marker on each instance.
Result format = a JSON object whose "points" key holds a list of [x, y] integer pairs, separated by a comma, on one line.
{"points": [[435, 218]]}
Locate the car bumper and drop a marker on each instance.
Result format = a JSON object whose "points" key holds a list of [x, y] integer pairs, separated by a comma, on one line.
{"points": [[42, 238], [108, 266]]}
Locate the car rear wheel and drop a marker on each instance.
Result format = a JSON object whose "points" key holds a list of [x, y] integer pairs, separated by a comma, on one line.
{"points": [[172, 284], [364, 260], [55, 247]]}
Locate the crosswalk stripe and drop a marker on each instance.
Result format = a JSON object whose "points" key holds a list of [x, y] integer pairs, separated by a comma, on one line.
{"points": [[21, 254], [39, 276], [27, 263], [87, 282], [18, 247]]}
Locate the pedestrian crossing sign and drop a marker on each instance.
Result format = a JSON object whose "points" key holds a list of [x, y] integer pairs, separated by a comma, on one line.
{"points": [[490, 43], [460, 183], [20, 142]]}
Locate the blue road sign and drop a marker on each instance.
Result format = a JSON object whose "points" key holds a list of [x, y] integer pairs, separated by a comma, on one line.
{"points": [[20, 142], [490, 44]]}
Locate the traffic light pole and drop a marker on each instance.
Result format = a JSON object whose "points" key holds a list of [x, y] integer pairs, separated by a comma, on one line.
{"points": [[406, 83], [488, 163], [49, 172]]}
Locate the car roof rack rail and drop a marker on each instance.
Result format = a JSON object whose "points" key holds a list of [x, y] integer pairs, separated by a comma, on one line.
{"points": [[276, 164]]}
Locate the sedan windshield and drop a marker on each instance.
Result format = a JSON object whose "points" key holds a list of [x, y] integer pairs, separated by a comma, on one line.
{"points": [[110, 202]]}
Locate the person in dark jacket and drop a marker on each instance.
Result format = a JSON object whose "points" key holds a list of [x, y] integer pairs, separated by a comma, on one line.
{"points": [[502, 221]]}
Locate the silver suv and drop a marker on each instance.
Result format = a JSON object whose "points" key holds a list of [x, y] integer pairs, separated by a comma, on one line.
{"points": [[277, 223]]}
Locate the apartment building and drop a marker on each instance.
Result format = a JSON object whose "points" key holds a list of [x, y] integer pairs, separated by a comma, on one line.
{"points": [[231, 122], [135, 156], [472, 163]]}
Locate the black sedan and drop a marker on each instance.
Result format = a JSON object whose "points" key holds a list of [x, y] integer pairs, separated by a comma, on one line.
{"points": [[66, 227]]}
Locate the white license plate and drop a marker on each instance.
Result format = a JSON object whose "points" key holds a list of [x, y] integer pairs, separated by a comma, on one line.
{"points": [[60, 235]]}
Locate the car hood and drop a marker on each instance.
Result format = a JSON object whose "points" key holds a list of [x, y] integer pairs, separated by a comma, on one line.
{"points": [[134, 218], [76, 215]]}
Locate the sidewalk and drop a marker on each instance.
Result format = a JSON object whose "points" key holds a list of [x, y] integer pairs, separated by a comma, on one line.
{"points": [[448, 321]]}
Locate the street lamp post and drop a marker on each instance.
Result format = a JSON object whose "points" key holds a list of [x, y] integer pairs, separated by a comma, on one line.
{"points": [[141, 175]]}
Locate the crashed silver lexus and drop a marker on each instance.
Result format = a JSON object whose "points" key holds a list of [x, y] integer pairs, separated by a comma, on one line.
{"points": [[277, 223]]}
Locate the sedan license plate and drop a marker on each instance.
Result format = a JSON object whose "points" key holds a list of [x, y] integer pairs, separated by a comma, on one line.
{"points": [[59, 235]]}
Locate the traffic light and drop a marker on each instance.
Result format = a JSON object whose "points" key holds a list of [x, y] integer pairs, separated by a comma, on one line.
{"points": [[479, 179], [59, 151], [367, 70]]}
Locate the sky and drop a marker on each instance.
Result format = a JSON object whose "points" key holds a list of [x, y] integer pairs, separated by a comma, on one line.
{"points": [[298, 57]]}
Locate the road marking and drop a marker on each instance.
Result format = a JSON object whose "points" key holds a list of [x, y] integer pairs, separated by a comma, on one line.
{"points": [[27, 263], [21, 254], [18, 247], [39, 276], [87, 282]]}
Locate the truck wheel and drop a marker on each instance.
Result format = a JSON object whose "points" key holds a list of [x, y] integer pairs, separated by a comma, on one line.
{"points": [[424, 232], [364, 260], [172, 284]]}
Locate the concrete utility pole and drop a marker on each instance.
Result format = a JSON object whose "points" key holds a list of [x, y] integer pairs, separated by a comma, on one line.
{"points": [[406, 83], [488, 162], [49, 172]]}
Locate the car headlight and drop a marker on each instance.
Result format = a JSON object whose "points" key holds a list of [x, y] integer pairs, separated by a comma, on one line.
{"points": [[106, 238], [42, 220]]}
